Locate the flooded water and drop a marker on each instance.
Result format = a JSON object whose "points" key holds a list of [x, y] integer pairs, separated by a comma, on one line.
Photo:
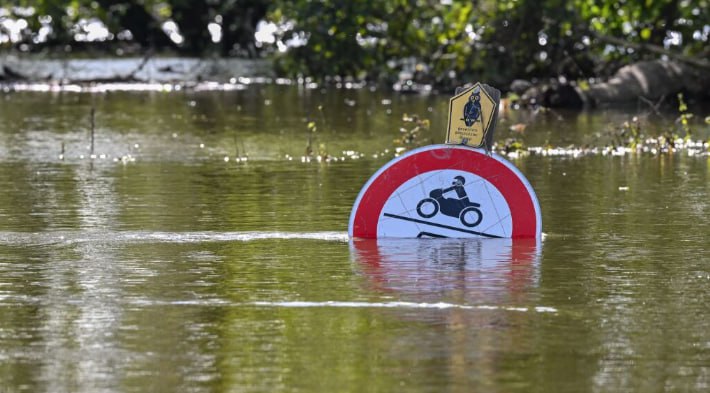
{"points": [[198, 249]]}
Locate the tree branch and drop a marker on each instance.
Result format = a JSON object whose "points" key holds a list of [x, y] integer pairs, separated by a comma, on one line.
{"points": [[694, 61]]}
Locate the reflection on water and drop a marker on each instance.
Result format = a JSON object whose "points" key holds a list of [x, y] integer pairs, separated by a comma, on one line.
{"points": [[470, 291], [469, 271], [477, 274]]}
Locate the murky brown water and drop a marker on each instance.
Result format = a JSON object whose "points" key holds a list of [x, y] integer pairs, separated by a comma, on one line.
{"points": [[170, 263]]}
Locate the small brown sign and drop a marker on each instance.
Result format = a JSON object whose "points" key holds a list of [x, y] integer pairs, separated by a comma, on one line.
{"points": [[472, 116]]}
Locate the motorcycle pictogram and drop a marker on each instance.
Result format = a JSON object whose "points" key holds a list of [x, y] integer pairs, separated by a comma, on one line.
{"points": [[462, 208]]}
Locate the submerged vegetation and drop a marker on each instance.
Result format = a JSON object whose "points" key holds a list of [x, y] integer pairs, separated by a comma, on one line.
{"points": [[628, 137]]}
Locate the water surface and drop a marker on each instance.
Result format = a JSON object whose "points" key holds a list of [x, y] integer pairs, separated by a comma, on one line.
{"points": [[198, 251]]}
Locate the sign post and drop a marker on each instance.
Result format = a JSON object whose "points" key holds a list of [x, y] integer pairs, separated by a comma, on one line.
{"points": [[459, 189]]}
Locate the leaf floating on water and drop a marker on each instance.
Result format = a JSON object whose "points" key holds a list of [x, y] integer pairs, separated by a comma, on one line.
{"points": [[519, 127]]}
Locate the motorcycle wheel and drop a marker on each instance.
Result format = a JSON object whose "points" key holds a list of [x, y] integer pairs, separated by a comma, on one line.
{"points": [[423, 203], [470, 216]]}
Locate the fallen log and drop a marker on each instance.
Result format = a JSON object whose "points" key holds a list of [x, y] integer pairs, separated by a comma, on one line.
{"points": [[9, 74], [647, 81]]}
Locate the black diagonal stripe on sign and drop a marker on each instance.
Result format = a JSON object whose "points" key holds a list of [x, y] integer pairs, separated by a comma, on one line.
{"points": [[418, 221]]}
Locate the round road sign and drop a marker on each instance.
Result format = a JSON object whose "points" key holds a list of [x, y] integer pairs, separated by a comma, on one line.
{"points": [[447, 191]]}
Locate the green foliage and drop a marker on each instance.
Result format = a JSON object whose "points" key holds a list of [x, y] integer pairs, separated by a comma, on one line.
{"points": [[332, 30], [374, 40], [411, 131], [671, 23], [452, 41], [55, 23], [684, 118], [440, 42]]}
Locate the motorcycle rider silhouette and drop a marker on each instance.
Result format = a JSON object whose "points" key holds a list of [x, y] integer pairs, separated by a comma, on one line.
{"points": [[462, 208]]}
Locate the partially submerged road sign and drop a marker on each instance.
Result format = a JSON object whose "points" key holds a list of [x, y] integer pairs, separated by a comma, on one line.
{"points": [[453, 190], [447, 191]]}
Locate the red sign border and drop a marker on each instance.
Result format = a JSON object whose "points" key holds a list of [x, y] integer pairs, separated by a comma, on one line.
{"points": [[512, 184]]}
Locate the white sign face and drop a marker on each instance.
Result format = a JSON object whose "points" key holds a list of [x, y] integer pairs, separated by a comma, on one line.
{"points": [[446, 203]]}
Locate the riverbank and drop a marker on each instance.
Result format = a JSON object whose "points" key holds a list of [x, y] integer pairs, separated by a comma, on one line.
{"points": [[31, 69]]}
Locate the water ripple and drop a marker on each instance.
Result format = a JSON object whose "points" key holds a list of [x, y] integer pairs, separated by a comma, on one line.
{"points": [[68, 238], [397, 304], [9, 299]]}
